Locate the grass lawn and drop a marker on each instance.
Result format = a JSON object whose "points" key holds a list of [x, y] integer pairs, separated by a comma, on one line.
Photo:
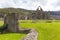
{"points": [[46, 31], [11, 36]]}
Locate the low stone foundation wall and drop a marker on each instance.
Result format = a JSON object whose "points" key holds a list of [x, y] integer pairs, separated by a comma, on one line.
{"points": [[32, 35]]}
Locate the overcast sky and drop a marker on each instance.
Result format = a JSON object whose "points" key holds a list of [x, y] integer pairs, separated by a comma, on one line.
{"points": [[52, 5]]}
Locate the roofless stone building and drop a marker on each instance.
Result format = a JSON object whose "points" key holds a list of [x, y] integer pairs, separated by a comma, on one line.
{"points": [[11, 24], [30, 14], [40, 14]]}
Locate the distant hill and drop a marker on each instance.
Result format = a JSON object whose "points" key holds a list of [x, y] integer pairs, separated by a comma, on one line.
{"points": [[13, 10], [55, 14], [24, 11]]}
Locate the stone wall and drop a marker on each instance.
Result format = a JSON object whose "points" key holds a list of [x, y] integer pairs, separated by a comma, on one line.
{"points": [[32, 35], [12, 20]]}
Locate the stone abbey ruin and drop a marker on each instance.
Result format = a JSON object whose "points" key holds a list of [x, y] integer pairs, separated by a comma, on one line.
{"points": [[11, 23], [39, 13], [29, 15]]}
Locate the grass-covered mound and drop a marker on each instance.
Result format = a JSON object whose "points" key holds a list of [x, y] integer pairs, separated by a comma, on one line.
{"points": [[47, 30]]}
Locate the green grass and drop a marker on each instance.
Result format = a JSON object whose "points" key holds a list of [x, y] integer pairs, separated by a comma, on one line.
{"points": [[11, 36], [46, 31]]}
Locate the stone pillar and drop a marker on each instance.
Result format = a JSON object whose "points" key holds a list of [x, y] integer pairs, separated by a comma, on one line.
{"points": [[12, 20]]}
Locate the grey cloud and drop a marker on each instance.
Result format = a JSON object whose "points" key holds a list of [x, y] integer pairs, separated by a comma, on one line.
{"points": [[57, 3], [43, 2]]}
